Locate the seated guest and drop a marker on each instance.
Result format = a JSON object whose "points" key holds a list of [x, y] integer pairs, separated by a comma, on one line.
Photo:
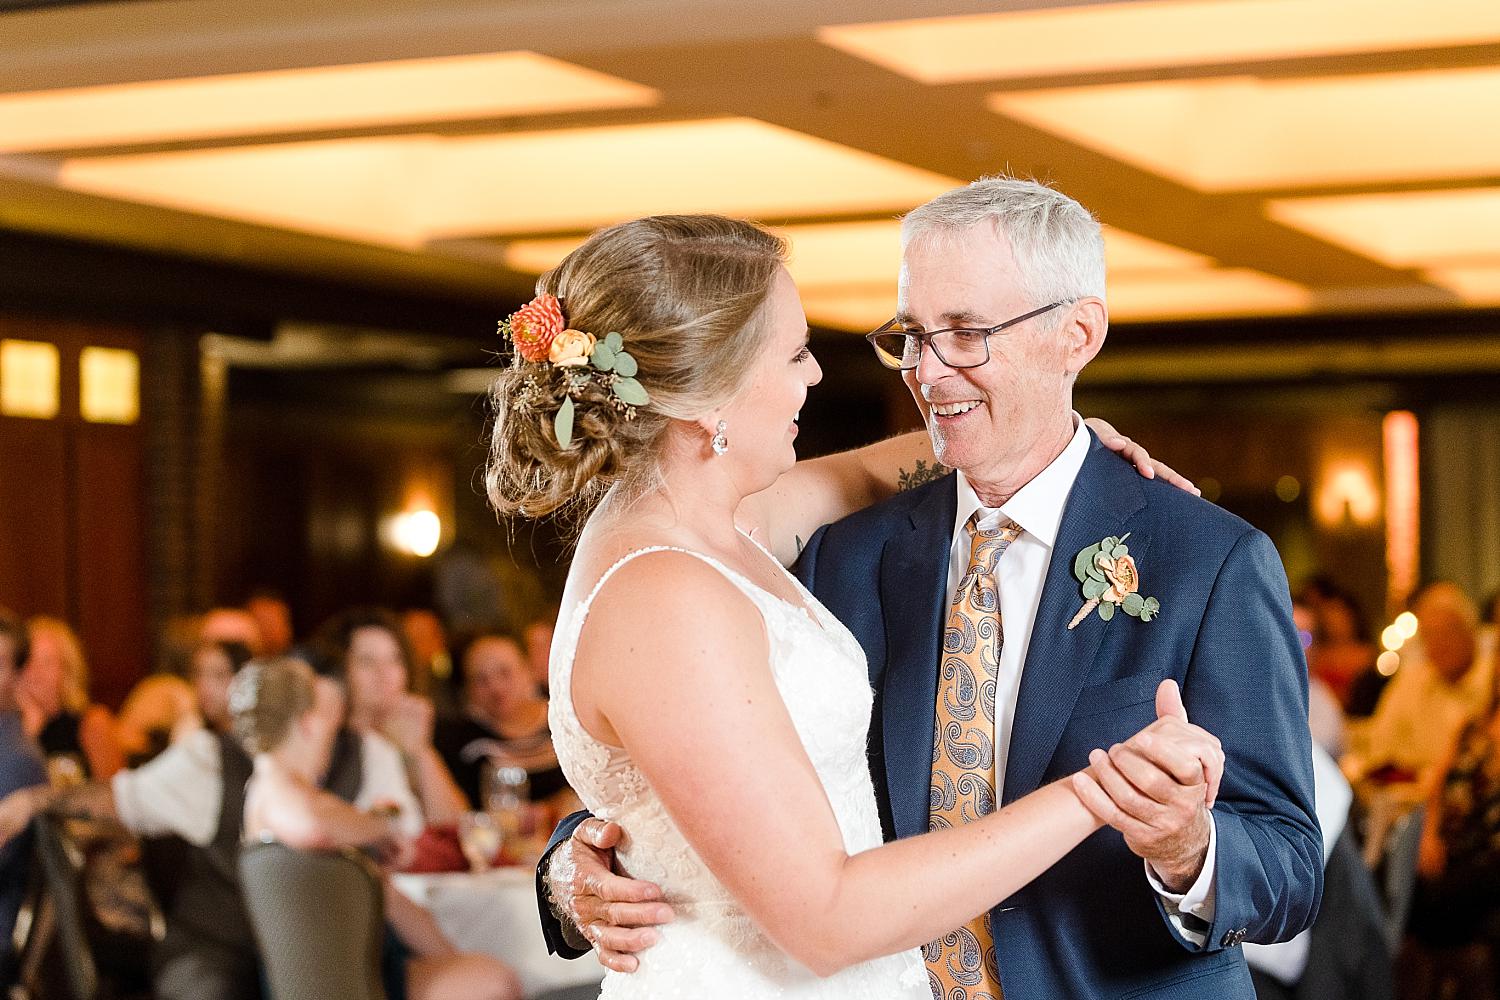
{"points": [[1341, 654], [1457, 907], [20, 767], [53, 693], [195, 791], [365, 649], [504, 720], [155, 714], [1325, 714], [288, 719], [1443, 684]]}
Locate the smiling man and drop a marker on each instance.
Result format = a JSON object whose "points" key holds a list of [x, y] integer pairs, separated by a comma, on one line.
{"points": [[1051, 664]]}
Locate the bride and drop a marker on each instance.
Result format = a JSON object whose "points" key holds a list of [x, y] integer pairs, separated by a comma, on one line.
{"points": [[701, 697]]}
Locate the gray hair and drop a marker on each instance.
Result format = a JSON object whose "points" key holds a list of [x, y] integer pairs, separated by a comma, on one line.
{"points": [[1057, 243]]}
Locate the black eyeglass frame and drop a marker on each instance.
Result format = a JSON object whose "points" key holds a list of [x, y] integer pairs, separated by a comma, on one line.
{"points": [[925, 339]]}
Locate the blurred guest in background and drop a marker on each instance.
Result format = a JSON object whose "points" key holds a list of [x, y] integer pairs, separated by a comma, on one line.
{"points": [[504, 721], [53, 693], [1455, 919], [288, 720], [231, 625], [273, 621], [538, 639], [1325, 714], [1441, 685], [163, 708], [366, 649], [20, 767], [428, 642], [1342, 654]]}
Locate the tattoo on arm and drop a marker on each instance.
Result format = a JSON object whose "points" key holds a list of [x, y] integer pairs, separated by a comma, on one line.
{"points": [[921, 475]]}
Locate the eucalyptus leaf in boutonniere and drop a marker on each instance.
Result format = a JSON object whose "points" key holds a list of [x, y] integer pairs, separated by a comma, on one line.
{"points": [[1111, 582]]}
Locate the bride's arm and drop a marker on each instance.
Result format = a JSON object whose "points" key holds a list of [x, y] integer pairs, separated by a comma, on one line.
{"points": [[672, 666], [819, 491]]}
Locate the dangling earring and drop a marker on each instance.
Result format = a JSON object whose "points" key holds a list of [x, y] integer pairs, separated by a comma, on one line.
{"points": [[720, 443]]}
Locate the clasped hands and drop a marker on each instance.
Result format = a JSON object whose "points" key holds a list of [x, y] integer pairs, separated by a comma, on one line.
{"points": [[1156, 789]]}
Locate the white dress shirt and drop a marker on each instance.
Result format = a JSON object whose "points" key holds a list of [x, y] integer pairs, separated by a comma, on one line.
{"points": [[1038, 508], [181, 789]]}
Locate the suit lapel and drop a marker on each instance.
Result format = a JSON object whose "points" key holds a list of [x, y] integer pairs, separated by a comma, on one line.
{"points": [[1058, 661], [913, 590]]}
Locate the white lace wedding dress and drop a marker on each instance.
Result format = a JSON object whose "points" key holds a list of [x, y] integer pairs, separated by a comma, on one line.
{"points": [[713, 949]]}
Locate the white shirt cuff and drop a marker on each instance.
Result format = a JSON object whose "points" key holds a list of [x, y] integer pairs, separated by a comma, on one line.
{"points": [[1198, 901]]}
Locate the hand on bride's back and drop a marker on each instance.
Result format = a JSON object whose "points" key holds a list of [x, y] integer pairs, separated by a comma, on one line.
{"points": [[615, 913]]}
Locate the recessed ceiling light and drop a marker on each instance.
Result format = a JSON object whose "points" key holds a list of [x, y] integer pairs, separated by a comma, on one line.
{"points": [[363, 95], [1403, 229], [1247, 133], [1157, 34]]}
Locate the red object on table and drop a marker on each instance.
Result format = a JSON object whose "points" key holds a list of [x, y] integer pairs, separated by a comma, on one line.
{"points": [[437, 850]]}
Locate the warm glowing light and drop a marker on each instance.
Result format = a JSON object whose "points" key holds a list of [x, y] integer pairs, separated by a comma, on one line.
{"points": [[1387, 662], [1251, 133], [362, 95], [29, 376], [1403, 509], [1156, 34], [417, 532], [1288, 489], [1475, 285], [856, 309], [1202, 293], [1392, 638], [1406, 622], [1347, 493], [408, 190], [1404, 229], [109, 385]]}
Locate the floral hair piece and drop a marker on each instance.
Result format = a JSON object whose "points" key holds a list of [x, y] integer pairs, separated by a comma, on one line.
{"points": [[542, 337]]}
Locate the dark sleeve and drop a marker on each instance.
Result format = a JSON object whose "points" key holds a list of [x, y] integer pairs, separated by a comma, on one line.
{"points": [[552, 930], [1247, 684]]}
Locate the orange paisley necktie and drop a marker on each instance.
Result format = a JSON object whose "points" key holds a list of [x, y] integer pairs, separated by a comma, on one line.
{"points": [[961, 964]]}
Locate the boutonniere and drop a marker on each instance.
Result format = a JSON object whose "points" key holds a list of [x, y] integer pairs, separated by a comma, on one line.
{"points": [[1111, 580]]}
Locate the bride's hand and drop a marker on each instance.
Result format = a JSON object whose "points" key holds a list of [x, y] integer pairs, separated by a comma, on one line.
{"points": [[616, 914], [1138, 456], [1157, 789]]}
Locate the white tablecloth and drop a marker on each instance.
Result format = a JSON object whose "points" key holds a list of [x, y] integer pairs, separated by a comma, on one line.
{"points": [[495, 913]]}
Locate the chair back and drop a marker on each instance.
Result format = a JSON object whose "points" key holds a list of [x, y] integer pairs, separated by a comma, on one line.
{"points": [[1398, 874], [319, 918], [61, 863]]}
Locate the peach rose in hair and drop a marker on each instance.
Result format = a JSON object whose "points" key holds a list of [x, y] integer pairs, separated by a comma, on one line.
{"points": [[571, 348]]}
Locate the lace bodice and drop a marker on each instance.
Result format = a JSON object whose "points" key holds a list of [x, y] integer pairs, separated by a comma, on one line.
{"points": [[713, 948]]}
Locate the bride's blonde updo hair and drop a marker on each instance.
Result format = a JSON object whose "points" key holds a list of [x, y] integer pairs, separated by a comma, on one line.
{"points": [[687, 294]]}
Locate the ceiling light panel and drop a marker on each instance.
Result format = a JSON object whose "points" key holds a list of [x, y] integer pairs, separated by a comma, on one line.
{"points": [[1476, 285], [1156, 34], [1204, 294], [1247, 133], [410, 189], [1403, 229], [411, 91]]}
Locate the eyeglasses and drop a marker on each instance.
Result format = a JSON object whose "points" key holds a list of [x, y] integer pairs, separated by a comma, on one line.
{"points": [[957, 348]]}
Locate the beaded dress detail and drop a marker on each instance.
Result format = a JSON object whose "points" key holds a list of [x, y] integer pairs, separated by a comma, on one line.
{"points": [[713, 948]]}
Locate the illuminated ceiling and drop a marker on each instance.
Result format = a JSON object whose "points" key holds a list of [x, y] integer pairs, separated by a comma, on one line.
{"points": [[1249, 157]]}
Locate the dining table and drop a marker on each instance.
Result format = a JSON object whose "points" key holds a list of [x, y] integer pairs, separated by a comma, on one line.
{"points": [[495, 912]]}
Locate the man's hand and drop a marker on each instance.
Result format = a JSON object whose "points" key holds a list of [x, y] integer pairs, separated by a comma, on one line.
{"points": [[1157, 789], [616, 914]]}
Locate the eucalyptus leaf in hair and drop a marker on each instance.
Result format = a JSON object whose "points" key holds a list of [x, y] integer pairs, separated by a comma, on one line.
{"points": [[625, 364], [603, 357], [631, 392], [563, 423]]}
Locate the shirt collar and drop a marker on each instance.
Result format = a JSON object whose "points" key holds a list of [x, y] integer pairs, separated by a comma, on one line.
{"points": [[1038, 506]]}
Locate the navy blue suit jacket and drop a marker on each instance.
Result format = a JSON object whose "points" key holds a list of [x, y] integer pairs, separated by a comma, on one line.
{"points": [[1092, 926]]}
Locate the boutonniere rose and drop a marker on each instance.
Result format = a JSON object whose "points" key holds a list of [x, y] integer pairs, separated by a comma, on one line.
{"points": [[1111, 581]]}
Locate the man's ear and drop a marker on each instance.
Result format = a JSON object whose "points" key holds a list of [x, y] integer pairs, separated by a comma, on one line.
{"points": [[1084, 333]]}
